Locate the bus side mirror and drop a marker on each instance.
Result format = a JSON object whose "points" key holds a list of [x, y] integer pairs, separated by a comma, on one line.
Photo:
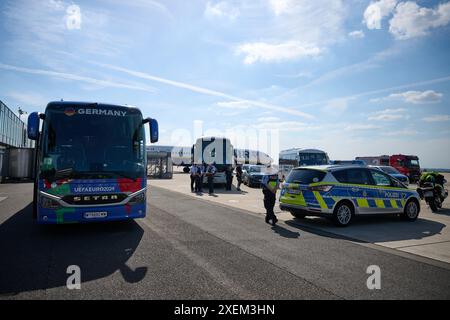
{"points": [[154, 130], [33, 126]]}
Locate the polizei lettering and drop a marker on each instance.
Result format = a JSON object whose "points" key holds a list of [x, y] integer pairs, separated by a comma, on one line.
{"points": [[102, 112]]}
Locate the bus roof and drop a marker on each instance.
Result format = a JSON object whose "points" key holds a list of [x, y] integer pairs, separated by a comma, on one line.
{"points": [[302, 150], [211, 137], [65, 104]]}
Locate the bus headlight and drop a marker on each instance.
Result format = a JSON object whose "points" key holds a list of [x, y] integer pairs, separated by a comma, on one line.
{"points": [[49, 203], [139, 198]]}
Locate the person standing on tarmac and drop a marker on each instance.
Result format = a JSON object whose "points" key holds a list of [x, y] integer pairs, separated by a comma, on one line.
{"points": [[229, 177], [239, 177], [193, 172], [269, 188], [201, 174], [210, 172]]}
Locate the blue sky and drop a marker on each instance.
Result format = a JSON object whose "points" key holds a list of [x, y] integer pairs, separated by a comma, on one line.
{"points": [[353, 78]]}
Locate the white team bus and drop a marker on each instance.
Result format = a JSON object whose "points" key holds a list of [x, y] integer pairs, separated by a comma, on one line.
{"points": [[298, 157], [216, 150], [246, 156]]}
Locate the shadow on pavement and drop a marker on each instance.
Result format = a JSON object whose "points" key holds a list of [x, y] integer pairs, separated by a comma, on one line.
{"points": [[232, 191], [443, 211], [371, 229], [285, 232], [36, 257]]}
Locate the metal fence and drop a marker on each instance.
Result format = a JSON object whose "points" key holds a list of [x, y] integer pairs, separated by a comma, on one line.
{"points": [[13, 131]]}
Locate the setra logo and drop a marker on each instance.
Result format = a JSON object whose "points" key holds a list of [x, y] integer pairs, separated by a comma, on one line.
{"points": [[69, 112]]}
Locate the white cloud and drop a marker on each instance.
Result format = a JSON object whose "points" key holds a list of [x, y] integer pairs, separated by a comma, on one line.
{"points": [[373, 62], [417, 97], [28, 99], [404, 132], [437, 118], [283, 126], [289, 30], [206, 91], [221, 9], [276, 52], [38, 28], [234, 104], [360, 127], [389, 115], [410, 20], [295, 75], [336, 106], [268, 119], [357, 34], [376, 11], [75, 77], [280, 6]]}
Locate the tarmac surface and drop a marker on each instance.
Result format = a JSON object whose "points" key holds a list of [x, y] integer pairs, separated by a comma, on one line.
{"points": [[188, 248], [428, 236]]}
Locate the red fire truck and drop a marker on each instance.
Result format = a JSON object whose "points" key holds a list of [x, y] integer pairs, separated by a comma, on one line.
{"points": [[405, 164]]}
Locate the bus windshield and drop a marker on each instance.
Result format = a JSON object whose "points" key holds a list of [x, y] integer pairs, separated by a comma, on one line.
{"points": [[312, 159], [80, 145]]}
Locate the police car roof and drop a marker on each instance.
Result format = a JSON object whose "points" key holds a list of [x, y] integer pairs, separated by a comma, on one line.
{"points": [[332, 167]]}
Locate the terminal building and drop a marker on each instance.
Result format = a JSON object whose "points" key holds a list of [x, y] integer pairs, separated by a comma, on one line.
{"points": [[16, 150]]}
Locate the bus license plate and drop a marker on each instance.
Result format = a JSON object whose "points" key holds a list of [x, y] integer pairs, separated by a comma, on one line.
{"points": [[94, 215]]}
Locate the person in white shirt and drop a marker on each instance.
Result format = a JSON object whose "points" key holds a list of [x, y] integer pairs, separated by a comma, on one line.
{"points": [[193, 172], [201, 174], [210, 172]]}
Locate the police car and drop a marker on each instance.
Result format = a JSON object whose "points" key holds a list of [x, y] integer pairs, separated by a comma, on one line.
{"points": [[341, 192]]}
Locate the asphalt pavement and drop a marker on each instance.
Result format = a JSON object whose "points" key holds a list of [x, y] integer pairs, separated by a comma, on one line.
{"points": [[188, 248]]}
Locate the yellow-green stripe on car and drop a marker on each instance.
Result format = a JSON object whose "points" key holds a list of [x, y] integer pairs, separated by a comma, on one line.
{"points": [[362, 203], [394, 204], [320, 200], [379, 203]]}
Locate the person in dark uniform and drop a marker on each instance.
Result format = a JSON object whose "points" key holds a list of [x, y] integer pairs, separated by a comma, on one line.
{"points": [[193, 173], [239, 177], [210, 172], [269, 188], [229, 177]]}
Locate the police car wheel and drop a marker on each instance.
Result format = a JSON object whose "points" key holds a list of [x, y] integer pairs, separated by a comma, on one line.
{"points": [[343, 214], [411, 211]]}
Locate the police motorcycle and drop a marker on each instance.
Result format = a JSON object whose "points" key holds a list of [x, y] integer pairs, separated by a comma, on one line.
{"points": [[431, 188]]}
